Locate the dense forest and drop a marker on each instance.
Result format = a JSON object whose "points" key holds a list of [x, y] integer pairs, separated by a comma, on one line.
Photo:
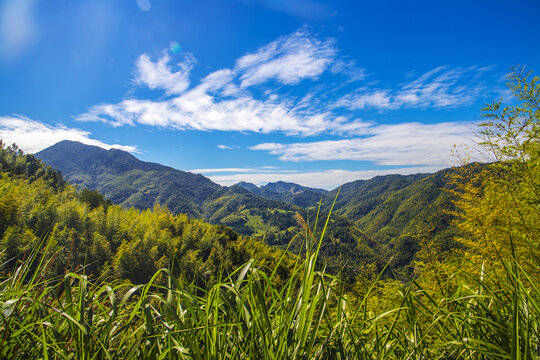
{"points": [[83, 277], [373, 220], [85, 230]]}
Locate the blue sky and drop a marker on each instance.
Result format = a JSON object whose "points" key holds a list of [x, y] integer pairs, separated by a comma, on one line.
{"points": [[318, 93]]}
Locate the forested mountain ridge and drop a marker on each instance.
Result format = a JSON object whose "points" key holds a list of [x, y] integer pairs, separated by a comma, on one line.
{"points": [[480, 301], [279, 187], [128, 181], [86, 231], [358, 198], [398, 212], [395, 212], [376, 219], [288, 192]]}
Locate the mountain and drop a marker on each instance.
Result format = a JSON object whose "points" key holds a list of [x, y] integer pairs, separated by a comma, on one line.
{"points": [[285, 191], [287, 187], [400, 212], [252, 188], [84, 231], [358, 198], [128, 181], [373, 220]]}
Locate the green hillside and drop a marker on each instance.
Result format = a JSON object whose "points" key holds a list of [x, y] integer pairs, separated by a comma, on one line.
{"points": [[399, 212], [358, 198], [129, 182], [375, 220], [87, 232], [83, 278], [287, 192], [70, 259]]}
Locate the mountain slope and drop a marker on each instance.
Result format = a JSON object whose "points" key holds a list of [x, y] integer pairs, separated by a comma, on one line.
{"points": [[400, 212], [373, 220], [285, 191], [80, 230], [358, 198], [128, 181]]}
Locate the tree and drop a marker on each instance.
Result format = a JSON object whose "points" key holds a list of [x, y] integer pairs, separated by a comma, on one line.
{"points": [[499, 205]]}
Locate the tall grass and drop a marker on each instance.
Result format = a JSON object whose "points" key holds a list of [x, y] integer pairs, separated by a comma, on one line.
{"points": [[246, 316]]}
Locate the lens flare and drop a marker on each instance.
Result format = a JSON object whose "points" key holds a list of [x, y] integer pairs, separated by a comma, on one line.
{"points": [[175, 47], [144, 5]]}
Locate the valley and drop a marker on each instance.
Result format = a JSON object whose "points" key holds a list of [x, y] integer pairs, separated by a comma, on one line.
{"points": [[372, 222]]}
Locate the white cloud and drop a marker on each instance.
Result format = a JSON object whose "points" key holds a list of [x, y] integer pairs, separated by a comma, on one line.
{"points": [[439, 88], [227, 100], [397, 145], [218, 103], [18, 29], [226, 147], [262, 169], [289, 59], [327, 179], [348, 68], [379, 99], [33, 136], [202, 109], [221, 170], [159, 75]]}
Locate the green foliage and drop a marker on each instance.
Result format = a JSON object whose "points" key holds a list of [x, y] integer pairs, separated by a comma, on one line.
{"points": [[244, 300], [127, 181], [499, 209], [395, 212], [18, 164], [93, 199], [86, 232], [307, 315], [496, 209], [371, 216]]}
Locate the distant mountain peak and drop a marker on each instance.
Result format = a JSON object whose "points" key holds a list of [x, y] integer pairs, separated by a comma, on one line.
{"points": [[252, 188], [76, 144], [289, 187], [128, 181]]}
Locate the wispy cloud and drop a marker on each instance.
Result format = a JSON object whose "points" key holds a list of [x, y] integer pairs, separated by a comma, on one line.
{"points": [[364, 98], [226, 147], [159, 75], [33, 136], [348, 68], [258, 170], [327, 179], [221, 170], [398, 145], [242, 99], [144, 5], [289, 59], [200, 110], [441, 87], [222, 101]]}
